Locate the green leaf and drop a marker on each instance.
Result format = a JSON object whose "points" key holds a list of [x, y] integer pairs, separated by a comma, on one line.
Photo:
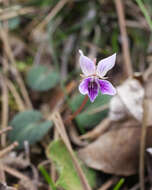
{"points": [[47, 177], [21, 66], [28, 126], [87, 119], [68, 177], [41, 78], [119, 184]]}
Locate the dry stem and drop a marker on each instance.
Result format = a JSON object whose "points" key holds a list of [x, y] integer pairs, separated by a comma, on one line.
{"points": [[98, 130], [51, 15], [143, 145], [61, 130], [16, 95], [19, 79], [125, 45], [19, 175], [6, 14], [5, 130], [8, 149], [5, 109], [2, 174], [108, 184]]}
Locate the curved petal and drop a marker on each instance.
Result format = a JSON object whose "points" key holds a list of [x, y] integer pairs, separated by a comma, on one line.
{"points": [[105, 65], [83, 86], [87, 65], [106, 87], [93, 90]]}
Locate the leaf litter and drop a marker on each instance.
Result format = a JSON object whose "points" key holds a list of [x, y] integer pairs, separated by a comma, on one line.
{"points": [[106, 134]]}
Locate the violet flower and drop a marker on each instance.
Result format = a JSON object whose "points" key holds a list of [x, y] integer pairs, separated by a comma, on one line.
{"points": [[94, 76]]}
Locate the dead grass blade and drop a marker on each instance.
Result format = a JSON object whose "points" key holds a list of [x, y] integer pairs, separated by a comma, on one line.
{"points": [[125, 45], [12, 12], [8, 51], [20, 176], [108, 184], [16, 95], [5, 130], [50, 16], [56, 118], [98, 130], [5, 109], [8, 149]]}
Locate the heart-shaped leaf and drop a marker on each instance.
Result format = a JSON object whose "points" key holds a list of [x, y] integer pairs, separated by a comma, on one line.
{"points": [[88, 117], [41, 78], [28, 126], [68, 177]]}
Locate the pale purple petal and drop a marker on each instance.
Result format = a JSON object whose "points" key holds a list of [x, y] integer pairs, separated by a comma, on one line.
{"points": [[105, 65], [83, 86], [93, 90], [87, 65], [106, 87]]}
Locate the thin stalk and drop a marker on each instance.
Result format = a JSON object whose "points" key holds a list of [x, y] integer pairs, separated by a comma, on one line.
{"points": [[119, 184], [142, 146], [80, 108], [47, 178], [145, 13]]}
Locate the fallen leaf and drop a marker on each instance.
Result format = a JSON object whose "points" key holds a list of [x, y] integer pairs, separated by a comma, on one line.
{"points": [[5, 187], [128, 101], [116, 151]]}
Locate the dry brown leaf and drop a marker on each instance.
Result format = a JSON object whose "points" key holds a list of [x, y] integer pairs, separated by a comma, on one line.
{"points": [[128, 101], [5, 187], [117, 151]]}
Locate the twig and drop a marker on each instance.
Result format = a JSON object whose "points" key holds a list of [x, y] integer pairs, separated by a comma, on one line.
{"points": [[8, 149], [5, 130], [98, 109], [6, 14], [11, 86], [19, 79], [125, 45], [143, 145], [108, 184], [74, 136], [98, 130], [146, 115], [5, 109], [79, 109], [19, 175], [136, 24], [2, 174], [16, 95], [61, 130], [50, 16]]}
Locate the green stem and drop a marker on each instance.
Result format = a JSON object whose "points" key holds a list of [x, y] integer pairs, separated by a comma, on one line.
{"points": [[80, 108], [145, 12], [47, 178], [119, 184]]}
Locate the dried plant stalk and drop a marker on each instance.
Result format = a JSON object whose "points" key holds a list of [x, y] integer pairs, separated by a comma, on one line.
{"points": [[14, 70], [125, 45], [5, 109], [56, 118]]}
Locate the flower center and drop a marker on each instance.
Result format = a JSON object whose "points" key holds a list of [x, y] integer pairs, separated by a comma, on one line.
{"points": [[92, 86]]}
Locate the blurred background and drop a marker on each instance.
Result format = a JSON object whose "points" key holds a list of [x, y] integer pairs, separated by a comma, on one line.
{"points": [[51, 137]]}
